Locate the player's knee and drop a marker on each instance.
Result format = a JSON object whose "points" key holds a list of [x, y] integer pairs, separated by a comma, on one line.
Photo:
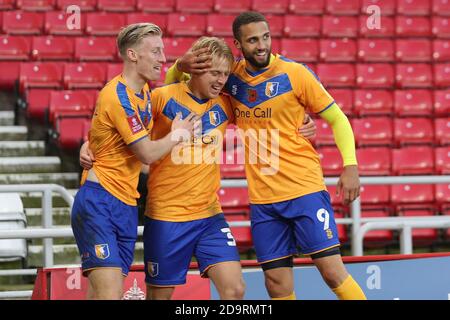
{"points": [[234, 291], [332, 277]]}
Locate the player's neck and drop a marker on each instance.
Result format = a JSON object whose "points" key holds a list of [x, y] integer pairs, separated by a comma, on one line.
{"points": [[133, 80], [194, 91]]}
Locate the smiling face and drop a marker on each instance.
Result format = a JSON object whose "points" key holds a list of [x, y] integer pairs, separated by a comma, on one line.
{"points": [[255, 43], [209, 84], [150, 58]]}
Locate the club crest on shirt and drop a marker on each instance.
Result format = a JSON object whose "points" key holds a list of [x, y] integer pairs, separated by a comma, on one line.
{"points": [[134, 123], [214, 118], [153, 269], [252, 95], [102, 251], [271, 89]]}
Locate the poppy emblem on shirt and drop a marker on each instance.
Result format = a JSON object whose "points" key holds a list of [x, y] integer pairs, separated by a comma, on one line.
{"points": [[214, 118], [271, 89], [252, 95], [134, 123], [102, 251]]}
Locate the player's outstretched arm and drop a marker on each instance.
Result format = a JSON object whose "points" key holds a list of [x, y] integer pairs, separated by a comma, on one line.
{"points": [[192, 62], [348, 184]]}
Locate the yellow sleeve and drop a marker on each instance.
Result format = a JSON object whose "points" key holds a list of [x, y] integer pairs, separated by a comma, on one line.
{"points": [[174, 75], [343, 133]]}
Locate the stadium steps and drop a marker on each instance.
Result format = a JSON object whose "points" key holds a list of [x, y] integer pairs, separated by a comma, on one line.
{"points": [[12, 133], [22, 148], [29, 164], [6, 118], [66, 179], [61, 216], [34, 199]]}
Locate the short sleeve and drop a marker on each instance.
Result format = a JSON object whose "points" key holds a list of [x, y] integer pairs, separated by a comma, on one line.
{"points": [[312, 93]]}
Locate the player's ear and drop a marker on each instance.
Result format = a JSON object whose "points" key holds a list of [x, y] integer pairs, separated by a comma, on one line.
{"points": [[132, 55], [237, 44]]}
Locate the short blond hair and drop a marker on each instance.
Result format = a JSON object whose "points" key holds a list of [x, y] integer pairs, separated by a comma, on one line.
{"points": [[217, 48], [133, 34]]}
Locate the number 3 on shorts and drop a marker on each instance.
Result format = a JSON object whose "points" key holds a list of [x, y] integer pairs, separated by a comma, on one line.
{"points": [[324, 216], [231, 243]]}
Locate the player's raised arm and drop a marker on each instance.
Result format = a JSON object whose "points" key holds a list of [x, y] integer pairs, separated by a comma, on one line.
{"points": [[192, 62]]}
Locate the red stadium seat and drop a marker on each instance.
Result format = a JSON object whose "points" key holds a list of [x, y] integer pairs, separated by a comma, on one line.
{"points": [[159, 19], [442, 102], [180, 24], [104, 24], [387, 28], [232, 6], [441, 51], [95, 48], [375, 196], [442, 75], [413, 131], [307, 7], [344, 99], [331, 161], [442, 160], [176, 47], [442, 194], [336, 75], [86, 127], [276, 23], [415, 194], [116, 5], [112, 70], [373, 102], [71, 102], [203, 6], [85, 5], [339, 7], [14, 47], [414, 75], [70, 130], [423, 236], [84, 75], [341, 228], [232, 165], [38, 101], [380, 75], [340, 26], [442, 131], [302, 26], [219, 25], [22, 22], [408, 26], [413, 161], [40, 75], [375, 238], [242, 235], [373, 131], [234, 200], [10, 73], [374, 161], [52, 48], [301, 50], [388, 7], [413, 7], [163, 6], [376, 50], [269, 6], [441, 7], [416, 50], [338, 50], [7, 4], [324, 134], [35, 5], [56, 24], [413, 102]]}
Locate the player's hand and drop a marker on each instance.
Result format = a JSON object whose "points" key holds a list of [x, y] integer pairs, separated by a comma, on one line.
{"points": [[182, 129], [308, 128], [348, 184], [195, 62], [86, 156]]}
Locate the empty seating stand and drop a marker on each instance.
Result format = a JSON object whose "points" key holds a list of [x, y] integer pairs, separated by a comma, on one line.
{"points": [[12, 217]]}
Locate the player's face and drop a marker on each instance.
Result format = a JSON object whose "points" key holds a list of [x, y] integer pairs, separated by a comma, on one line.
{"points": [[150, 58], [255, 44], [211, 82]]}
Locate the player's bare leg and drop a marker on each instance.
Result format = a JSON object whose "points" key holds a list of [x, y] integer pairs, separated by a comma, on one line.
{"points": [[279, 282], [227, 278], [159, 293], [105, 284]]}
